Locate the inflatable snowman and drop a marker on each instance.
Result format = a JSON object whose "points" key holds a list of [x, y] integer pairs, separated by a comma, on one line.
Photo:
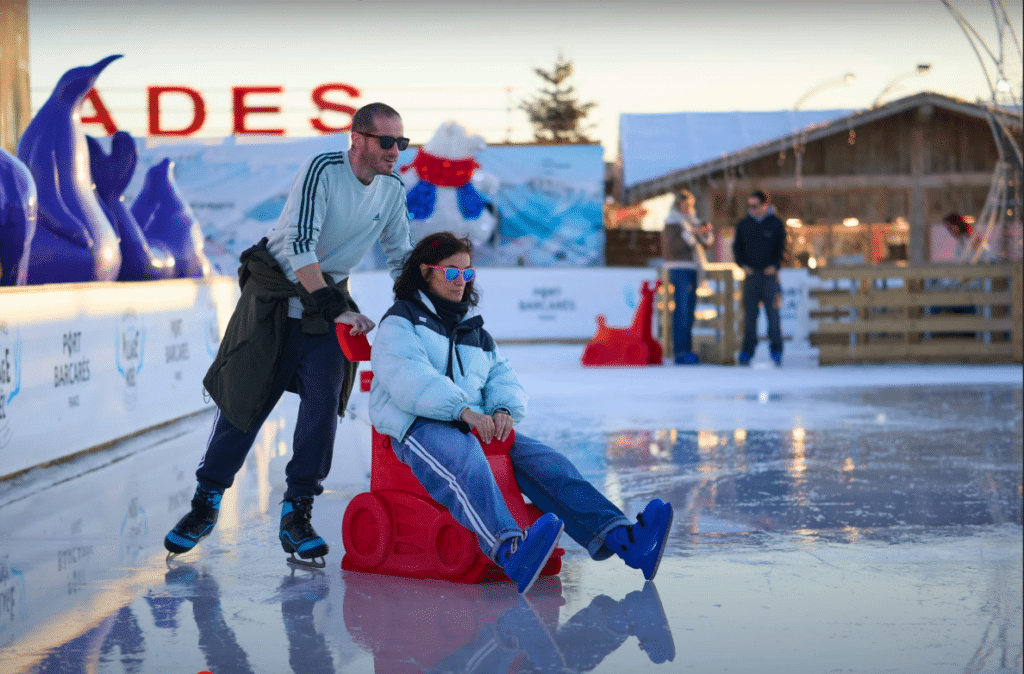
{"points": [[446, 192]]}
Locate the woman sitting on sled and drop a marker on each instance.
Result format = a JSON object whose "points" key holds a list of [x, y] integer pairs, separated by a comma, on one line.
{"points": [[437, 375]]}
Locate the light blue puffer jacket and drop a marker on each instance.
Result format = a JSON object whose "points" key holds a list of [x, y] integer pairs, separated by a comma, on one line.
{"points": [[420, 370]]}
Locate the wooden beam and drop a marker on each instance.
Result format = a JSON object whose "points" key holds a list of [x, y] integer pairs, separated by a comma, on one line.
{"points": [[898, 298], [925, 271], [842, 183], [1017, 313], [918, 240], [15, 104], [953, 350], [926, 324]]}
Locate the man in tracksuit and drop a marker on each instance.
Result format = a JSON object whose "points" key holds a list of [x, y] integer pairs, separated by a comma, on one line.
{"points": [[281, 335], [757, 247]]}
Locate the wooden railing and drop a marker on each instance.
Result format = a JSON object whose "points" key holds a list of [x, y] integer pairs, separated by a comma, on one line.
{"points": [[925, 314], [719, 310]]}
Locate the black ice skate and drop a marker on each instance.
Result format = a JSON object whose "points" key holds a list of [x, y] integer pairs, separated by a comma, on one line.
{"points": [[195, 525], [298, 536]]}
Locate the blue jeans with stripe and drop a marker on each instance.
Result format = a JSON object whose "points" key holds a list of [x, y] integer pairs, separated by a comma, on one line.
{"points": [[452, 467]]}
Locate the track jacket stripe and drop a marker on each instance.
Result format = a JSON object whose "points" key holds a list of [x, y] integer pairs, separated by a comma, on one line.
{"points": [[304, 225]]}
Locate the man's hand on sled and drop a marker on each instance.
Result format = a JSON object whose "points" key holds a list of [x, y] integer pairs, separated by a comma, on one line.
{"points": [[360, 324]]}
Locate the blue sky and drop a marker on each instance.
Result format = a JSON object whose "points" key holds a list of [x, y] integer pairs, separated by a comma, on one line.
{"points": [[473, 62]]}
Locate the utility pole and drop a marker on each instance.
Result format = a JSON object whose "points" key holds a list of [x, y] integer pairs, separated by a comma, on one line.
{"points": [[15, 105]]}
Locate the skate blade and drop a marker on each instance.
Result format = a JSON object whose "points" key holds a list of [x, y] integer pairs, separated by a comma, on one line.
{"points": [[307, 563], [172, 556]]}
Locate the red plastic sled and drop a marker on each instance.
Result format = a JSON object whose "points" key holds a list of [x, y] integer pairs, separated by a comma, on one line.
{"points": [[397, 529], [634, 345], [355, 347]]}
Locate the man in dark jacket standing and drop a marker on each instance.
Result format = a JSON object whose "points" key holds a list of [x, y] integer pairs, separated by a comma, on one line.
{"points": [[281, 335], [757, 248]]}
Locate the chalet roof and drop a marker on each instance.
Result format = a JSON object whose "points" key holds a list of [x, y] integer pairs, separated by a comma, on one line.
{"points": [[829, 122], [652, 145]]}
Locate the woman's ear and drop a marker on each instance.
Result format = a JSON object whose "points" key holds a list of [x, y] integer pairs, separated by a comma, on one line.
{"points": [[424, 271]]}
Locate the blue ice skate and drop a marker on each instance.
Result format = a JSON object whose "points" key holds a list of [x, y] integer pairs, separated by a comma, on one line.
{"points": [[298, 536], [195, 525], [522, 558], [641, 545]]}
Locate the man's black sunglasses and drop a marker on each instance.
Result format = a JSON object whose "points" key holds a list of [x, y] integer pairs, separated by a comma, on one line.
{"points": [[387, 141]]}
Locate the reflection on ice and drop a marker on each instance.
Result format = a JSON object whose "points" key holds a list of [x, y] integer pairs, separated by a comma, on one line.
{"points": [[406, 625], [780, 518], [478, 629], [821, 480]]}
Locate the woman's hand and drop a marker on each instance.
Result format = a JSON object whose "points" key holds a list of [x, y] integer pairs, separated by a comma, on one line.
{"points": [[502, 425], [483, 424]]}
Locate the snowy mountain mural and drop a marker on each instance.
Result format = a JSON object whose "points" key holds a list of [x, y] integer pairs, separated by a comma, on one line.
{"points": [[549, 198]]}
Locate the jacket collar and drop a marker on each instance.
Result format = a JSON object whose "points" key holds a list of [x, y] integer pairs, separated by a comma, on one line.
{"points": [[472, 319]]}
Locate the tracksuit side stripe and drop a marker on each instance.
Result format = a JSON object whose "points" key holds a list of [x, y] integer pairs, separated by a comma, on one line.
{"points": [[474, 663], [461, 495], [209, 440], [306, 203]]}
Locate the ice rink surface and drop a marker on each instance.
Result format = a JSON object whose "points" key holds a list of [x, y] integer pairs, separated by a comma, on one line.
{"points": [[836, 519]]}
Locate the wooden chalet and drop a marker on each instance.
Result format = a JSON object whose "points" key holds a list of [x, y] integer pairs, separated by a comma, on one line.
{"points": [[866, 188]]}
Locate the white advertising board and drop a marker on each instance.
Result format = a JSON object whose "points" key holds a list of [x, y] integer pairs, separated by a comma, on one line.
{"points": [[550, 304], [524, 303], [85, 364], [82, 365]]}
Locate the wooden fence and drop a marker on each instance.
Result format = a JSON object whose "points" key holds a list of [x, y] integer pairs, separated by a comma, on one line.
{"points": [[720, 311], [923, 314]]}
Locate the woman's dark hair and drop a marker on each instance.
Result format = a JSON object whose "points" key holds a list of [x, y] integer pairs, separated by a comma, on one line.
{"points": [[431, 250]]}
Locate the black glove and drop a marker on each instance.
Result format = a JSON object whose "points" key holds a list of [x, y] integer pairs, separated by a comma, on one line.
{"points": [[330, 303]]}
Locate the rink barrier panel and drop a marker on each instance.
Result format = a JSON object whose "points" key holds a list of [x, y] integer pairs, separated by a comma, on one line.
{"points": [[85, 365]]}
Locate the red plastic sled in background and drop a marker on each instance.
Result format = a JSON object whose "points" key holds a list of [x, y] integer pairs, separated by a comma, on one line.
{"points": [[633, 345], [355, 347], [397, 529]]}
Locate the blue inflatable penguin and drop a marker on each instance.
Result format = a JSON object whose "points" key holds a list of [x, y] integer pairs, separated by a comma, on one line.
{"points": [[168, 221], [17, 219], [74, 239], [140, 260]]}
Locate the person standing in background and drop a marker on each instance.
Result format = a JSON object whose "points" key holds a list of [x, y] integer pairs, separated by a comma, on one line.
{"points": [[683, 243], [757, 248]]}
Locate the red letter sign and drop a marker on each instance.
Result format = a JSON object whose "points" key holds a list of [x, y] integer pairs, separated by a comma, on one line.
{"points": [[198, 111], [324, 104], [241, 110], [102, 115]]}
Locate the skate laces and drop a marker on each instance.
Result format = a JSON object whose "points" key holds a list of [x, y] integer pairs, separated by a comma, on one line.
{"points": [[629, 529], [302, 513], [209, 499]]}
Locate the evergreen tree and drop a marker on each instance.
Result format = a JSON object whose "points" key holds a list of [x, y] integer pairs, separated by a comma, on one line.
{"points": [[555, 113]]}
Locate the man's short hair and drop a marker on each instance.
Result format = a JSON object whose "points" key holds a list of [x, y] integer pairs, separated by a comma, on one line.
{"points": [[364, 118], [760, 196]]}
